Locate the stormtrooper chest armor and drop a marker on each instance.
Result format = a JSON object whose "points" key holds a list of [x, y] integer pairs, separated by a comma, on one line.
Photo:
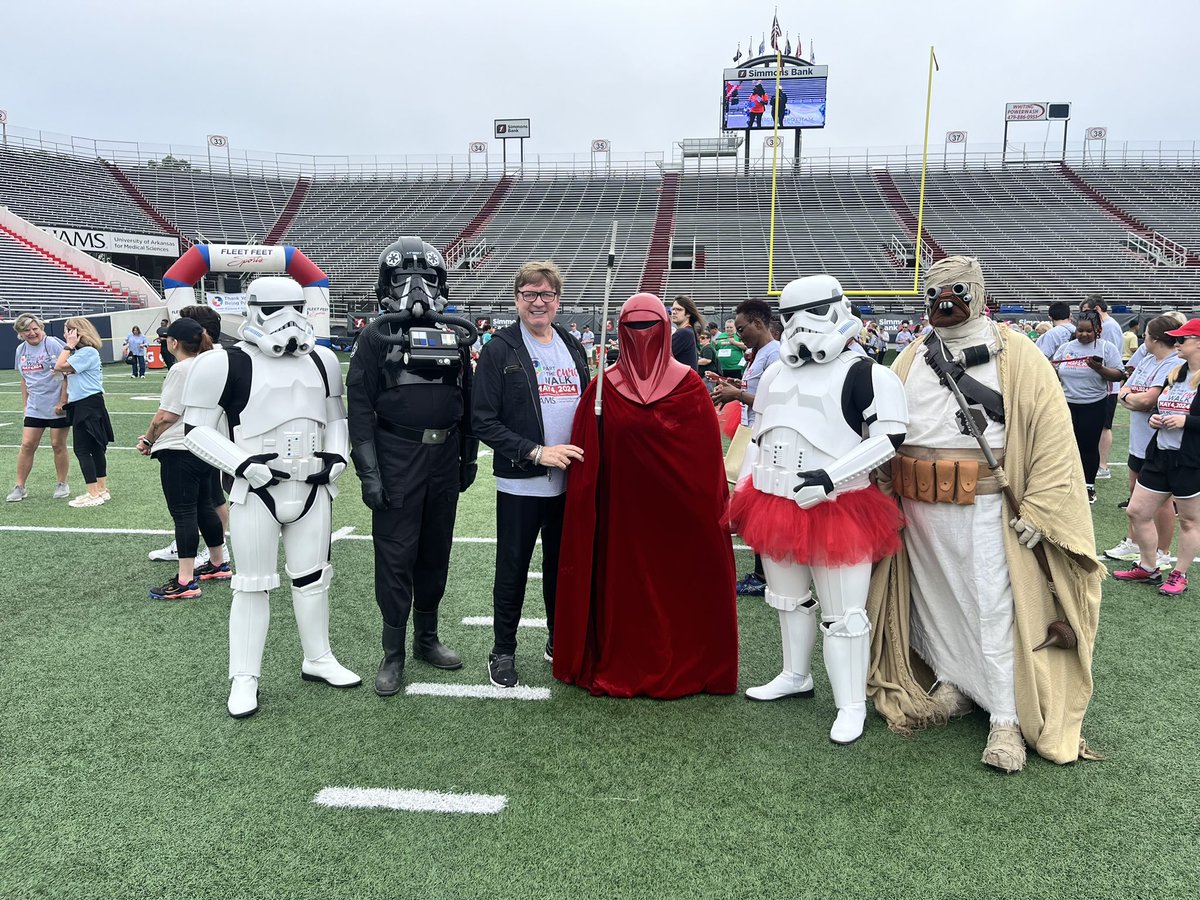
{"points": [[285, 412], [801, 425]]}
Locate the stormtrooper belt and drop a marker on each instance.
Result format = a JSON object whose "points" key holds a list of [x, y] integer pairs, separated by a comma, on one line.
{"points": [[942, 476], [416, 435]]}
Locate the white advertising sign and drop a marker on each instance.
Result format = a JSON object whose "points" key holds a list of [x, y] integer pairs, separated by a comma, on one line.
{"points": [[478, 147], [218, 140], [764, 72], [511, 128], [1026, 112], [227, 304], [956, 137], [117, 242]]}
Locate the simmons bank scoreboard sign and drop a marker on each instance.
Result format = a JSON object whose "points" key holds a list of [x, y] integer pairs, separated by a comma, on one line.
{"points": [[763, 72], [117, 242]]}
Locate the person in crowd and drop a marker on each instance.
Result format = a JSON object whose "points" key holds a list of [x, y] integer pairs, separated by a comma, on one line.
{"points": [[575, 332], [904, 335], [713, 330], [527, 387], [1129, 341], [409, 387], [752, 323], [135, 349], [1171, 468], [187, 482], [588, 340], [1110, 330], [210, 319], [731, 352], [1140, 395], [1060, 331], [706, 358], [686, 319], [91, 427], [1086, 366], [1140, 353], [42, 393], [163, 352]]}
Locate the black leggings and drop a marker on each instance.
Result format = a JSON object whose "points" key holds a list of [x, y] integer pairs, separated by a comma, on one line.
{"points": [[187, 485], [1087, 419], [90, 454], [518, 522]]}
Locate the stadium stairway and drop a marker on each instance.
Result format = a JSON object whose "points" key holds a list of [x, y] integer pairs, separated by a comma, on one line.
{"points": [[288, 213], [147, 207], [460, 244], [1133, 223], [903, 213], [658, 257], [91, 281]]}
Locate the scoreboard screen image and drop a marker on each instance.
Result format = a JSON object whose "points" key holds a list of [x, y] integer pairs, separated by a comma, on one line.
{"points": [[751, 103]]}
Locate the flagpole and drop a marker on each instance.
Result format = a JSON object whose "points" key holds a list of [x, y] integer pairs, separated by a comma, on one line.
{"points": [[608, 282]]}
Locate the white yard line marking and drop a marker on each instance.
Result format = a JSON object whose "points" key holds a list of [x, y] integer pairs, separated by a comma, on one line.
{"points": [[46, 528], [477, 691], [19, 412], [410, 801], [483, 453], [18, 447], [487, 620], [5, 424], [341, 534]]}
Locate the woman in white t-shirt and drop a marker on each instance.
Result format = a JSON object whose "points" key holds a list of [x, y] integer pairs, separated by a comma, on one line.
{"points": [[187, 481], [1139, 395]]}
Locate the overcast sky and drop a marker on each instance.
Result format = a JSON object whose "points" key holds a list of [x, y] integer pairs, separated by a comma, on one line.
{"points": [[360, 77]]}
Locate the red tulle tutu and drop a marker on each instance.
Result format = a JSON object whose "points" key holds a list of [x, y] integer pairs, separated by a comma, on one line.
{"points": [[731, 418], [856, 527]]}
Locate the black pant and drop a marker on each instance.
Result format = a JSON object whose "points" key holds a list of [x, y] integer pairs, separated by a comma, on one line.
{"points": [[90, 454], [139, 365], [1087, 419], [187, 485], [518, 521], [414, 535]]}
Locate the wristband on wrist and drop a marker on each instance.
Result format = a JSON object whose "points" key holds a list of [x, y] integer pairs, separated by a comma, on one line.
{"points": [[537, 455]]}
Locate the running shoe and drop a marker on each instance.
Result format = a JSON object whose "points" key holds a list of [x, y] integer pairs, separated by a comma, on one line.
{"points": [[1126, 551], [86, 500], [62, 491], [18, 494], [502, 670], [1176, 584], [1103, 473], [168, 553], [1091, 489], [1166, 560], [1138, 574], [105, 496], [206, 571], [752, 586], [173, 590]]}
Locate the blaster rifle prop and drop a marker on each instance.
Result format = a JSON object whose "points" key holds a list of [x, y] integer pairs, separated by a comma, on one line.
{"points": [[1058, 633]]}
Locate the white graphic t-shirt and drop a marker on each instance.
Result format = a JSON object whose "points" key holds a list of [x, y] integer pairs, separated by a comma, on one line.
{"points": [[1175, 400], [559, 391]]}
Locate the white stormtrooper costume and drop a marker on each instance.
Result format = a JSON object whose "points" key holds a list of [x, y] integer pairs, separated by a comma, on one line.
{"points": [[286, 445], [826, 416]]}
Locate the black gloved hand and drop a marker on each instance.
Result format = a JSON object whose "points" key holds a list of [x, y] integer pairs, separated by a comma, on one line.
{"points": [[468, 453], [367, 466], [335, 465], [466, 475]]}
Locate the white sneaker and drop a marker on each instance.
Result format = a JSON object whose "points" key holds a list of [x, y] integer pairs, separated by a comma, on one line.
{"points": [[18, 494], [201, 555], [62, 490], [86, 500], [1103, 473], [168, 553], [1166, 560], [105, 495], [1126, 551]]}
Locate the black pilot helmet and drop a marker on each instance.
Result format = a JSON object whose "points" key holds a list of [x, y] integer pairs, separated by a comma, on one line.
{"points": [[412, 278]]}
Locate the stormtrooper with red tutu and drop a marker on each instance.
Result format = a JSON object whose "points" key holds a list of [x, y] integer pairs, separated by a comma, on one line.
{"points": [[826, 416]]}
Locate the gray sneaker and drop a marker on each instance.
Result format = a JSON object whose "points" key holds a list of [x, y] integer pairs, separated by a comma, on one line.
{"points": [[62, 490], [18, 493]]}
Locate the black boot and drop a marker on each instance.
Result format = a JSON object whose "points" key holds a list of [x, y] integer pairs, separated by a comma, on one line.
{"points": [[426, 645], [391, 668]]}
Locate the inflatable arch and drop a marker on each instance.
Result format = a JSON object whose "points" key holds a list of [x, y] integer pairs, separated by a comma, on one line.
{"points": [[256, 259]]}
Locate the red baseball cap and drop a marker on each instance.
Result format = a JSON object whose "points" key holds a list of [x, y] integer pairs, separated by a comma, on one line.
{"points": [[1191, 329]]}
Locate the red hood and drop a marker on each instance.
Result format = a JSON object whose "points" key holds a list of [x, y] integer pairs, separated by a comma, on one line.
{"points": [[645, 371]]}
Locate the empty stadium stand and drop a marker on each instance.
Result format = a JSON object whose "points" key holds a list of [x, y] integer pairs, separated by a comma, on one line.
{"points": [[1166, 199], [34, 281]]}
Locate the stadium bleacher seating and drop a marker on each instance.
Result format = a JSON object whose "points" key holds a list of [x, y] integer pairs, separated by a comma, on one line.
{"points": [[29, 282], [1166, 198]]}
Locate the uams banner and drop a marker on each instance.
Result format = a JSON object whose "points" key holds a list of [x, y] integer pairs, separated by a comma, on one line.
{"points": [[117, 242]]}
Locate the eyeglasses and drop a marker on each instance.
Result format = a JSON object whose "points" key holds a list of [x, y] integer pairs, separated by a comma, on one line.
{"points": [[530, 296]]}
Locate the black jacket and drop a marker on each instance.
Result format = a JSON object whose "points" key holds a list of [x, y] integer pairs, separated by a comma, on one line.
{"points": [[506, 410]]}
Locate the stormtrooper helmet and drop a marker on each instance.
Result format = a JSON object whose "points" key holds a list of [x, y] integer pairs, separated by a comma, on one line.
{"points": [[275, 319], [412, 278], [817, 321]]}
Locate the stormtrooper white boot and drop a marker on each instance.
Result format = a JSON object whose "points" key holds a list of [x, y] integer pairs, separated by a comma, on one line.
{"points": [[310, 602], [249, 616], [798, 628], [847, 649]]}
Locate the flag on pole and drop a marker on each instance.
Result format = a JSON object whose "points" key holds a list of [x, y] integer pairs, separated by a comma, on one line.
{"points": [[812, 54], [776, 34], [787, 48], [738, 55], [762, 45], [935, 62]]}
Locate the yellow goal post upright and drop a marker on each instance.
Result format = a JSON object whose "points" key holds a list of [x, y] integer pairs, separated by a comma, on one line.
{"points": [[885, 292]]}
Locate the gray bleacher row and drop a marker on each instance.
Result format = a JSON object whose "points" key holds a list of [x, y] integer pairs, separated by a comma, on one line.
{"points": [[1168, 199], [29, 283], [68, 191]]}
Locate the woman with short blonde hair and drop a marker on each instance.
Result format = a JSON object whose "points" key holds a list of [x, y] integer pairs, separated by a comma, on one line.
{"points": [[85, 411]]}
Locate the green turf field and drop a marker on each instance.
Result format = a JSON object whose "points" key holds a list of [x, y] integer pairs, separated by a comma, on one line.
{"points": [[123, 776]]}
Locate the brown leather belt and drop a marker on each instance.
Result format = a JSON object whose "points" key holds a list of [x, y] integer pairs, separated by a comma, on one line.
{"points": [[934, 475]]}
